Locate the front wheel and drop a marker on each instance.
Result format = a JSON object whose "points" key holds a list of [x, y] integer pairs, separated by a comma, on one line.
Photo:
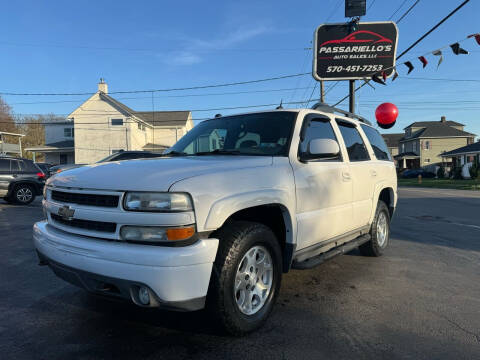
{"points": [[23, 194], [379, 232], [246, 276]]}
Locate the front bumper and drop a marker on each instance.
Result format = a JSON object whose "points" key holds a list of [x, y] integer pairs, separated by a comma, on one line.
{"points": [[177, 277]]}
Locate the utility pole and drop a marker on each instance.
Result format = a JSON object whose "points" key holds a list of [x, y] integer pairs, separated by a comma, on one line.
{"points": [[322, 91], [351, 107]]}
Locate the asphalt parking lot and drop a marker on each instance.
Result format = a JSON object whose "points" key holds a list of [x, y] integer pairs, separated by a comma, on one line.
{"points": [[419, 301]]}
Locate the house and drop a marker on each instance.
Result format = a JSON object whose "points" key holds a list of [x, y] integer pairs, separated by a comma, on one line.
{"points": [[392, 141], [102, 125], [463, 155], [9, 148], [59, 144], [424, 142]]}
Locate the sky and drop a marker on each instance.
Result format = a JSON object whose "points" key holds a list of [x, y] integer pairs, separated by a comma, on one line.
{"points": [[67, 46]]}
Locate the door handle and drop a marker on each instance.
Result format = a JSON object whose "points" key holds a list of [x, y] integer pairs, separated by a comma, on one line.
{"points": [[346, 176], [373, 173]]}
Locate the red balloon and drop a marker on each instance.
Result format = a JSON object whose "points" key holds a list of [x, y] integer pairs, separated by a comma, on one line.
{"points": [[386, 115]]}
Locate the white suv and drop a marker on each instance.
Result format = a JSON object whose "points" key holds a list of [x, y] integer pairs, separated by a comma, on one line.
{"points": [[238, 201]]}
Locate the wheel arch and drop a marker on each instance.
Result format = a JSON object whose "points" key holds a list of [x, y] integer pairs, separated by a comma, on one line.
{"points": [[275, 216]]}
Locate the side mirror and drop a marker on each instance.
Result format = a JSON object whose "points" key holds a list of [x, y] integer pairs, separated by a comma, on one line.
{"points": [[322, 149]]}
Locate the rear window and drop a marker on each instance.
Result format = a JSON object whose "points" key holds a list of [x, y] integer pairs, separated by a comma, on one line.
{"points": [[353, 141], [378, 144], [4, 165]]}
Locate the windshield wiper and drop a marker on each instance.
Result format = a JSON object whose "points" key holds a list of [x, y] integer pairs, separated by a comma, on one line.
{"points": [[175, 153], [219, 152]]}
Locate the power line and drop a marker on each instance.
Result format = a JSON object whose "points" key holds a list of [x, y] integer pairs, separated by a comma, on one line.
{"points": [[433, 29], [66, 46], [162, 90], [398, 9], [406, 12], [166, 96]]}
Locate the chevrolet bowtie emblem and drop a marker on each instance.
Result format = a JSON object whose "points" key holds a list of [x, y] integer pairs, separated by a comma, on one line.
{"points": [[66, 212]]}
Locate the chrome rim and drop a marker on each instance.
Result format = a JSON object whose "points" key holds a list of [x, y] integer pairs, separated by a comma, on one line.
{"points": [[382, 229], [253, 280], [24, 194]]}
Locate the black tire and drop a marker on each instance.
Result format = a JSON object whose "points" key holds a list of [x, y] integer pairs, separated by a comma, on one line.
{"points": [[236, 239], [376, 247], [8, 200], [23, 194]]}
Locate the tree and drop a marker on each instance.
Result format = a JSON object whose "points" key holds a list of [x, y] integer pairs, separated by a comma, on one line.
{"points": [[7, 122]]}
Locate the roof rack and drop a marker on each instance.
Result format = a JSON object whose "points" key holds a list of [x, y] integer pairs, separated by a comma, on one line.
{"points": [[330, 109]]}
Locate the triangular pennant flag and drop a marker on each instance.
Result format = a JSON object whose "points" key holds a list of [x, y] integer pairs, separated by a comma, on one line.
{"points": [[376, 79], [384, 76], [457, 50], [438, 53], [423, 60], [410, 66], [395, 74], [476, 36]]}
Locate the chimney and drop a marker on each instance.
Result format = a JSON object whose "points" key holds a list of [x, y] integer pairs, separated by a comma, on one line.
{"points": [[443, 119], [102, 86]]}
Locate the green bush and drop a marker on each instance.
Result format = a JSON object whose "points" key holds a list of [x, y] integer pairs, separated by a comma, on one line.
{"points": [[474, 171], [457, 173], [441, 172]]}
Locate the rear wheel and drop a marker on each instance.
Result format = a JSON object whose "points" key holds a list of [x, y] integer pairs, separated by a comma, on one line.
{"points": [[379, 232], [23, 194], [246, 276]]}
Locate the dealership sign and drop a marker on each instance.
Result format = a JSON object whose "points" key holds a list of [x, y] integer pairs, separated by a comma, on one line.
{"points": [[343, 52]]}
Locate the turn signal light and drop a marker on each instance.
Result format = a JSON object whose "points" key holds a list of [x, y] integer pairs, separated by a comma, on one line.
{"points": [[41, 175], [180, 233]]}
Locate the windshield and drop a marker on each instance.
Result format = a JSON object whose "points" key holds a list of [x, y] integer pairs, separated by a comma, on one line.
{"points": [[251, 134]]}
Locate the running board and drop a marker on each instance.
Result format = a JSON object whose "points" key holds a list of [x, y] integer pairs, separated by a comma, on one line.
{"points": [[339, 250]]}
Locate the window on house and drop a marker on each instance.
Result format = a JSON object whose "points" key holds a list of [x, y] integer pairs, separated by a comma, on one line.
{"points": [[68, 132], [141, 127], [353, 141], [117, 122], [403, 148], [426, 160], [427, 145], [414, 146]]}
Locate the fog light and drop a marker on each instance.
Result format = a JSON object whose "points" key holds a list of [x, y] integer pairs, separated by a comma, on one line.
{"points": [[144, 295]]}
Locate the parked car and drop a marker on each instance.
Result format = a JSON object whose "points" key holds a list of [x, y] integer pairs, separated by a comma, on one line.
{"points": [[409, 174], [235, 203], [20, 180], [45, 167], [118, 156]]}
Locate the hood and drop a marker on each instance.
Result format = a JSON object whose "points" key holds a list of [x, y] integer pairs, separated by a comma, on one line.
{"points": [[151, 174]]}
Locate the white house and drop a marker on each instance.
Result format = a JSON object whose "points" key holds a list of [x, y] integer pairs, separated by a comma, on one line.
{"points": [[102, 125]]}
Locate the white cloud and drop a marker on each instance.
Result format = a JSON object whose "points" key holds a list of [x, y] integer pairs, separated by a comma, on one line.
{"points": [[197, 47], [181, 58]]}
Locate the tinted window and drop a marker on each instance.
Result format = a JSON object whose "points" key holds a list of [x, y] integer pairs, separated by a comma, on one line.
{"points": [[117, 121], [28, 166], [317, 128], [251, 134], [4, 165], [353, 141], [14, 165], [378, 144]]}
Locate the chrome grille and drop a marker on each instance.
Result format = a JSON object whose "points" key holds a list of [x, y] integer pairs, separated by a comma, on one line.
{"points": [[100, 226], [86, 199]]}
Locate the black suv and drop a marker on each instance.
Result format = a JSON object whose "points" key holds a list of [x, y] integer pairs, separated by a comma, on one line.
{"points": [[20, 180], [118, 156]]}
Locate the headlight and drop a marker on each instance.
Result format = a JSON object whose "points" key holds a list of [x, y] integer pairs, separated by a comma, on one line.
{"points": [[144, 201], [156, 234]]}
